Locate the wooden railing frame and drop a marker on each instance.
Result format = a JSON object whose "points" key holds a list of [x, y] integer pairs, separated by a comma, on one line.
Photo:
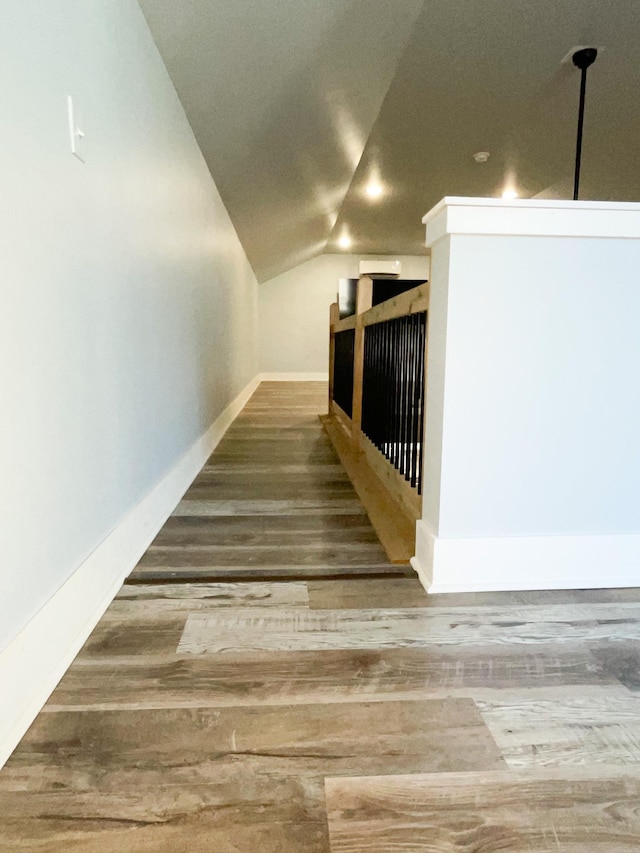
{"points": [[411, 302], [364, 452], [334, 319]]}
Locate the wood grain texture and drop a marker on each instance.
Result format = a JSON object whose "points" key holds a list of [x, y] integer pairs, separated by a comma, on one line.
{"points": [[365, 629], [314, 554], [320, 506], [152, 600], [394, 526], [140, 675], [267, 530], [621, 660], [409, 302], [141, 768], [265, 491], [572, 811], [409, 592], [272, 502], [486, 722], [375, 593], [592, 727], [392, 480], [115, 636], [410, 734], [281, 572], [228, 830], [276, 527]]}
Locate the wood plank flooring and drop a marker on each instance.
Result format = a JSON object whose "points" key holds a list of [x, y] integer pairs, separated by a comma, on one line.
{"points": [[266, 682], [582, 811]]}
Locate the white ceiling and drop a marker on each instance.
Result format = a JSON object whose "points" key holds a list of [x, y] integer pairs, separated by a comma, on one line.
{"points": [[295, 102]]}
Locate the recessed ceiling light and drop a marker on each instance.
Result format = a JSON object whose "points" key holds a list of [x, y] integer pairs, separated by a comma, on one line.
{"points": [[344, 241], [374, 189], [509, 194], [481, 156]]}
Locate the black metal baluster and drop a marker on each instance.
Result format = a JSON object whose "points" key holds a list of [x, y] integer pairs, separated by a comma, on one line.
{"points": [[416, 403], [403, 380], [393, 400], [379, 410], [397, 363], [388, 391], [410, 383], [409, 360], [422, 401], [411, 379], [380, 397], [379, 387], [393, 391], [415, 437], [414, 399], [401, 374]]}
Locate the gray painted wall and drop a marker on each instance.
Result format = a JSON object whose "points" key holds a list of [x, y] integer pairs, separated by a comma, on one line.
{"points": [[128, 316], [294, 310]]}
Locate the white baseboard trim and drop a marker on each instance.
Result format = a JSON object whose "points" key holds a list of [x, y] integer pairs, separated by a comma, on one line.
{"points": [[294, 377], [526, 562], [34, 662]]}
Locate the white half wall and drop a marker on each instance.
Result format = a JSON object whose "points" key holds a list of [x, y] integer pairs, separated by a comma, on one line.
{"points": [[128, 319], [532, 466], [294, 310]]}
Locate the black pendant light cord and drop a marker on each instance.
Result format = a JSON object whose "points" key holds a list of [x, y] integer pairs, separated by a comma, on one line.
{"points": [[576, 178], [582, 59]]}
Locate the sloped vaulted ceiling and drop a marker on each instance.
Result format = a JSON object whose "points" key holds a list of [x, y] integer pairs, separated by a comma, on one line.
{"points": [[296, 103]]}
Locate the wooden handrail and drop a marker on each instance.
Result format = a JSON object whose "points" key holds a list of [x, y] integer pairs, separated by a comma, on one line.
{"points": [[410, 302], [364, 297], [345, 324]]}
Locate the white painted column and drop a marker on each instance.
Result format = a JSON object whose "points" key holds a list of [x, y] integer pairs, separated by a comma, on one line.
{"points": [[532, 440]]}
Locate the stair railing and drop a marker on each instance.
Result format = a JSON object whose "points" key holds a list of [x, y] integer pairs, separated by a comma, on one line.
{"points": [[377, 378]]}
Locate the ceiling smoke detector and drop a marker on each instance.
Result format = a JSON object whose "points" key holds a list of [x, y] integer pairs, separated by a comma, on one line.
{"points": [[481, 156]]}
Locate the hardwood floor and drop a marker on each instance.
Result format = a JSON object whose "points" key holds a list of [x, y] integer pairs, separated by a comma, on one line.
{"points": [[266, 682], [576, 809], [273, 502]]}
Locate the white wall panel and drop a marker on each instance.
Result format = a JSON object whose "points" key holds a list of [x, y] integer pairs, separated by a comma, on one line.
{"points": [[128, 316]]}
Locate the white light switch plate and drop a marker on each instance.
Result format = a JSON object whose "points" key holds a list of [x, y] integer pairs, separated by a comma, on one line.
{"points": [[76, 131]]}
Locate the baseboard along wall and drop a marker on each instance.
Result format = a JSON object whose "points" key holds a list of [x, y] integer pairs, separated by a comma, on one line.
{"points": [[34, 662], [526, 562], [294, 377]]}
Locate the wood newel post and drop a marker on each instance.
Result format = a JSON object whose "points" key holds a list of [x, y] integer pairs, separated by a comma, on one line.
{"points": [[334, 316], [364, 297]]}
